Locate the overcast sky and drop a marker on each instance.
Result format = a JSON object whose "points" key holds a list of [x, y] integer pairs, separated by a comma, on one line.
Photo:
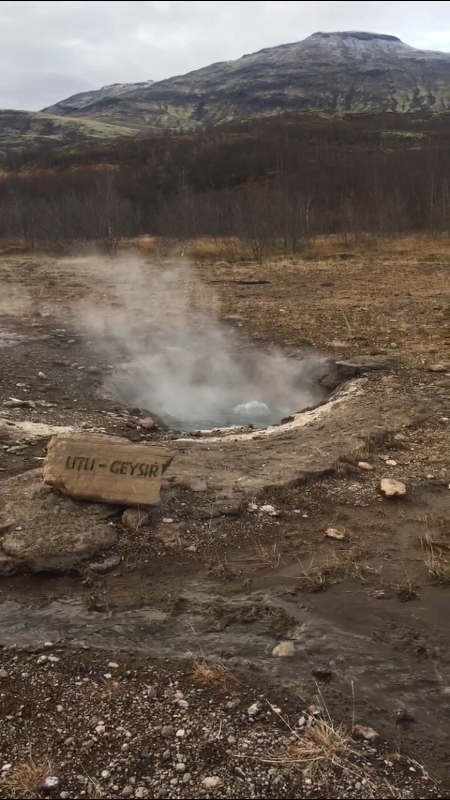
{"points": [[51, 50]]}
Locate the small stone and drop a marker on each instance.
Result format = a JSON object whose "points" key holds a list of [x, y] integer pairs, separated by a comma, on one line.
{"points": [[252, 508], [183, 704], [60, 709], [65, 796], [392, 488], [100, 730], [364, 465], [270, 511], [365, 734], [167, 755], [51, 785], [180, 768], [148, 424], [69, 742], [231, 740], [338, 536], [42, 660], [106, 775], [181, 734], [106, 566], [391, 463], [128, 791], [3, 675], [254, 710], [49, 645], [168, 731], [211, 783], [141, 793], [113, 665], [187, 778], [53, 660], [284, 650], [42, 376], [302, 722], [438, 368], [94, 370], [152, 693]]}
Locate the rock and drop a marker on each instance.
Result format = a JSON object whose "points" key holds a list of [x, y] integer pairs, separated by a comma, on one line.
{"points": [[93, 370], [270, 511], [365, 734], [8, 566], [187, 778], [183, 704], [47, 532], [364, 465], [135, 519], [106, 469], [211, 783], [14, 402], [148, 424], [106, 566], [141, 793], [152, 693], [42, 376], [391, 463], [180, 768], [439, 369], [339, 536], [168, 731], [254, 710], [168, 534], [392, 488], [51, 785], [3, 675], [106, 775], [128, 792], [284, 650]]}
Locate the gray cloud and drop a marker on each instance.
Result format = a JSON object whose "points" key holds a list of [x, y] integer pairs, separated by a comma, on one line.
{"points": [[49, 50]]}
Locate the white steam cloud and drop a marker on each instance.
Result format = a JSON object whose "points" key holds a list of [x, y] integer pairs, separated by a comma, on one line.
{"points": [[174, 358]]}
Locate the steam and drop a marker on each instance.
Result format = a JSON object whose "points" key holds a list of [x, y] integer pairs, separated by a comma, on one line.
{"points": [[159, 324]]}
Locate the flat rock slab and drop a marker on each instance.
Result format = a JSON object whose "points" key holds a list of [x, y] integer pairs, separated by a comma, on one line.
{"points": [[106, 469], [46, 532], [240, 465]]}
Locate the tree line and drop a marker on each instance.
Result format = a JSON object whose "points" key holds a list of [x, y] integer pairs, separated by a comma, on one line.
{"points": [[271, 184]]}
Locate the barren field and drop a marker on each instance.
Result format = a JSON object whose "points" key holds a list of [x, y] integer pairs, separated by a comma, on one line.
{"points": [[262, 539]]}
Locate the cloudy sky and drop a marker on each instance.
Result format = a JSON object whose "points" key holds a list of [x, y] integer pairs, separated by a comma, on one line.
{"points": [[51, 50]]}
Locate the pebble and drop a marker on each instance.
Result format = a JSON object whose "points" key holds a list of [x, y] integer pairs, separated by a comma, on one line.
{"points": [[181, 768], [211, 783], [183, 704], [391, 463], [366, 734], [270, 510], [141, 793], [392, 488], [364, 465], [3, 675], [283, 650], [167, 732], [128, 791], [113, 665], [333, 533], [187, 778], [152, 693], [64, 796], [181, 733], [231, 740], [167, 755], [106, 775], [254, 710], [51, 784]]}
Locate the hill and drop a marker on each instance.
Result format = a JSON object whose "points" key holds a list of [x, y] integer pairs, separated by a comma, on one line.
{"points": [[345, 72], [20, 130]]}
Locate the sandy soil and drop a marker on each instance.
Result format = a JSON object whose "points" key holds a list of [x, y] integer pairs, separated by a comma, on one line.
{"points": [[367, 614]]}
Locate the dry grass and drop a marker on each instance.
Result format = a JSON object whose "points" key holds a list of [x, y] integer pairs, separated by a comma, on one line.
{"points": [[26, 781], [323, 747], [318, 578], [438, 568], [437, 556], [408, 590], [212, 675]]}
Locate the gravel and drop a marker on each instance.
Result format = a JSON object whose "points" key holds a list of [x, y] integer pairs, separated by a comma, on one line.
{"points": [[114, 741]]}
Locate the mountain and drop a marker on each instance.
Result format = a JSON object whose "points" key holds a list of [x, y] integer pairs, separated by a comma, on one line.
{"points": [[85, 101], [349, 72], [23, 129]]}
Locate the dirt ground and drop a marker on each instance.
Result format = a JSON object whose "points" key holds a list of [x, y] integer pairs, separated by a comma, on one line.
{"points": [[368, 612]]}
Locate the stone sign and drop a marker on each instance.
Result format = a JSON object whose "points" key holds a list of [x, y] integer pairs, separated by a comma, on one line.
{"points": [[106, 469]]}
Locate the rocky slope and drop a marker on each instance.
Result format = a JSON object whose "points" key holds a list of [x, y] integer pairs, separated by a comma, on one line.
{"points": [[346, 72], [23, 129], [86, 101]]}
